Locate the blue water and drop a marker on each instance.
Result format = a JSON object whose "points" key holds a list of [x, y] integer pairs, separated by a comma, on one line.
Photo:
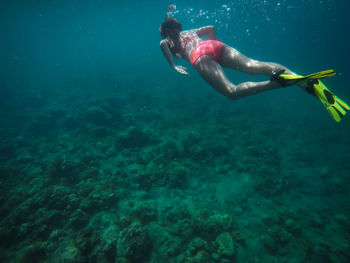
{"points": [[88, 101], [46, 43]]}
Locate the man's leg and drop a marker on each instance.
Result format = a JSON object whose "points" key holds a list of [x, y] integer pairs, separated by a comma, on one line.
{"points": [[212, 72]]}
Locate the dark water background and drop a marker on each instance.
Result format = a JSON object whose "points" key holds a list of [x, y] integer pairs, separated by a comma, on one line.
{"points": [[46, 45], [61, 59]]}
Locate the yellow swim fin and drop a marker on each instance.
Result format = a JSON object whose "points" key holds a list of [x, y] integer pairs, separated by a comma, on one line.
{"points": [[288, 79], [335, 106]]}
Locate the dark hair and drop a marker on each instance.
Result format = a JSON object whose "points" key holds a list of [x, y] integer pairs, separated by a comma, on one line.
{"points": [[171, 29]]}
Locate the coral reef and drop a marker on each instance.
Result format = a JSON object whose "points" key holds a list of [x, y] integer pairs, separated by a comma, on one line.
{"points": [[133, 244], [110, 180]]}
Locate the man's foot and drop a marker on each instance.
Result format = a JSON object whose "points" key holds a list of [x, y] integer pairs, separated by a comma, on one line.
{"points": [[276, 77]]}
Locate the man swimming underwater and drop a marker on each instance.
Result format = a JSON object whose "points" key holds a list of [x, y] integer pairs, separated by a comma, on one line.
{"points": [[209, 56]]}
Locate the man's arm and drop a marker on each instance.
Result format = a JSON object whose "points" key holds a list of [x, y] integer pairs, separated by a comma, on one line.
{"points": [[207, 30], [167, 53]]}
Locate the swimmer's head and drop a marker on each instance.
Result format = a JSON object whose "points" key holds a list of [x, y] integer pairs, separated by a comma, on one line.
{"points": [[170, 27]]}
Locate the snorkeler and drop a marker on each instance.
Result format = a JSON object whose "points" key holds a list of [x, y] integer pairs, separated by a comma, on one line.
{"points": [[209, 56]]}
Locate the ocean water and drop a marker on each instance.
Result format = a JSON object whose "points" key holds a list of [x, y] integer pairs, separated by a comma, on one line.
{"points": [[108, 155]]}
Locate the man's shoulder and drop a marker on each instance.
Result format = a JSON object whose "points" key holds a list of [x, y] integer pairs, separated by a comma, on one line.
{"points": [[188, 33], [163, 42]]}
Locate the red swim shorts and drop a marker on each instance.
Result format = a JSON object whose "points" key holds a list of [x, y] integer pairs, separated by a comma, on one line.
{"points": [[208, 47]]}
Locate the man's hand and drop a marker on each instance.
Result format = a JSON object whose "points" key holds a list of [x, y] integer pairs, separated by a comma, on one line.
{"points": [[181, 70]]}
